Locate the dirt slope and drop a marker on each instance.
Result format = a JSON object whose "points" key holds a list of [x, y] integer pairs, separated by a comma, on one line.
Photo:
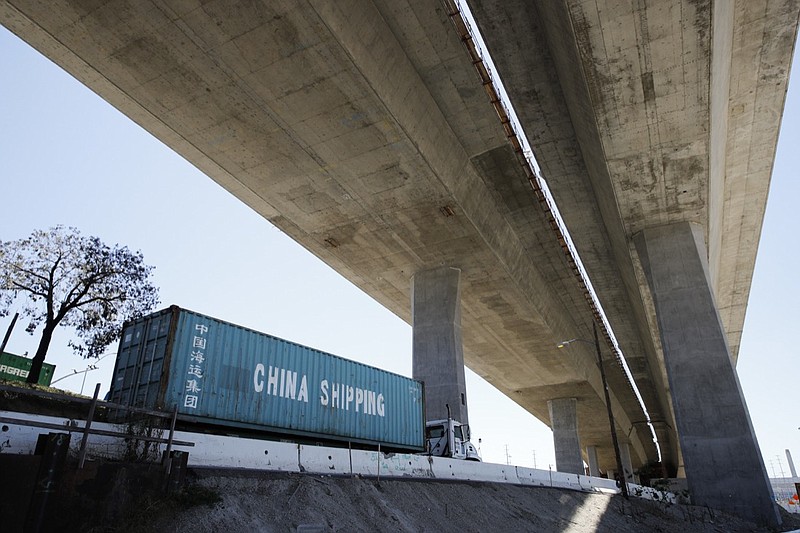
{"points": [[279, 503]]}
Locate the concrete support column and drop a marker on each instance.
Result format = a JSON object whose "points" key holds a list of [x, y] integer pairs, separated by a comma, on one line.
{"points": [[627, 465], [791, 463], [591, 454], [723, 462], [564, 421], [438, 354]]}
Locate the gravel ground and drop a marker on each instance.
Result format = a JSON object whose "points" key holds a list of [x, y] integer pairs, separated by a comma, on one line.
{"points": [[268, 502]]}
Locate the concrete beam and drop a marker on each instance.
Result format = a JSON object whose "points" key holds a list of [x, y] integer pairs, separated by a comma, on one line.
{"points": [[723, 461], [438, 354]]}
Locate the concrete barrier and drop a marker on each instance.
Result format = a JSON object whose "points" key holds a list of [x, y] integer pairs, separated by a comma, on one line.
{"points": [[599, 484], [564, 480], [535, 477], [444, 468], [405, 465], [324, 460], [551, 478], [234, 452], [365, 463], [21, 439], [223, 451], [280, 456], [209, 450]]}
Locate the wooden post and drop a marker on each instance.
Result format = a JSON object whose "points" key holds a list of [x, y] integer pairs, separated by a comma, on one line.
{"points": [[86, 427]]}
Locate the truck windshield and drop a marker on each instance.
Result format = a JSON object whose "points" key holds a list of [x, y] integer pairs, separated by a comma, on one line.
{"points": [[435, 432], [458, 433]]}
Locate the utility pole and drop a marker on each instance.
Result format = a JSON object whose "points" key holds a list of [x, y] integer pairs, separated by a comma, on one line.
{"points": [[623, 478], [8, 332], [508, 457], [780, 464], [534, 458]]}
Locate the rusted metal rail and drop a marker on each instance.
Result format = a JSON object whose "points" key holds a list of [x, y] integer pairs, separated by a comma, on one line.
{"points": [[535, 181]]}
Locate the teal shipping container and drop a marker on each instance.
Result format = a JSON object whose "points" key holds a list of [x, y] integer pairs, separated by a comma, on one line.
{"points": [[222, 374]]}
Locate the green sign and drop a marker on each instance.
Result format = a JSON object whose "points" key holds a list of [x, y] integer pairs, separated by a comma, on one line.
{"points": [[16, 368]]}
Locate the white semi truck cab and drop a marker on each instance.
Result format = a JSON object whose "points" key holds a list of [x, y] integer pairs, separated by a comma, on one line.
{"points": [[450, 438]]}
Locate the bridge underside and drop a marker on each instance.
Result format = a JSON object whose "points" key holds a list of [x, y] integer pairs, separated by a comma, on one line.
{"points": [[361, 130], [644, 115]]}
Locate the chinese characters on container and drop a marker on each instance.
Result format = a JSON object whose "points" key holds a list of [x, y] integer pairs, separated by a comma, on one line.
{"points": [[194, 372]]}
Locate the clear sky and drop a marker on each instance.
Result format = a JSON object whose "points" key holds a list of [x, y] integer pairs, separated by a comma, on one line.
{"points": [[67, 157]]}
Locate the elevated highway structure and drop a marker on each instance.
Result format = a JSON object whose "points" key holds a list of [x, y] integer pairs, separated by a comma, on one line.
{"points": [[361, 129]]}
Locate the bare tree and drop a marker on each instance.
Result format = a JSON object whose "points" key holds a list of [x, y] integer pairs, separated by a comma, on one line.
{"points": [[61, 277]]}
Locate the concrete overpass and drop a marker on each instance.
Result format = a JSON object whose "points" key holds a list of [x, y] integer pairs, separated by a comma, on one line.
{"points": [[361, 130]]}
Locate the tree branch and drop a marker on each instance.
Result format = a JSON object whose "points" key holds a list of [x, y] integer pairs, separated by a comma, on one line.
{"points": [[29, 272], [66, 274], [105, 299], [66, 306], [22, 287], [70, 295]]}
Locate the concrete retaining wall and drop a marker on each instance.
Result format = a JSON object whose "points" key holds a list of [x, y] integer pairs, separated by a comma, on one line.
{"points": [[235, 452]]}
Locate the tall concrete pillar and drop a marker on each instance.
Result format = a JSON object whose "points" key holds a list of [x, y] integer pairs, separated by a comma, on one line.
{"points": [[627, 465], [791, 463], [591, 455], [438, 354], [564, 420], [724, 468]]}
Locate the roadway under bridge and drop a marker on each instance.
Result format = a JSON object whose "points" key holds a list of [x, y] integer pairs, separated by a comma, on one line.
{"points": [[363, 130]]}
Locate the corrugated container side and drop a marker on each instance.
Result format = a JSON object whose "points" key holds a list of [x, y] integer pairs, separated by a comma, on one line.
{"points": [[221, 373], [143, 353]]}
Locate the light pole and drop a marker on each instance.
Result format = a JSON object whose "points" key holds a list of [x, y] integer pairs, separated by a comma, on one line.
{"points": [[89, 368], [623, 477], [76, 372]]}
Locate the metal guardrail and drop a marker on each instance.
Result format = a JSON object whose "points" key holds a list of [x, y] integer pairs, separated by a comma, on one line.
{"points": [[87, 427], [76, 429]]}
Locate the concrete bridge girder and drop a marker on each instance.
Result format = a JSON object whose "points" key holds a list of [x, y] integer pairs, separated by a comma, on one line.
{"points": [[359, 130], [657, 105], [378, 154]]}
